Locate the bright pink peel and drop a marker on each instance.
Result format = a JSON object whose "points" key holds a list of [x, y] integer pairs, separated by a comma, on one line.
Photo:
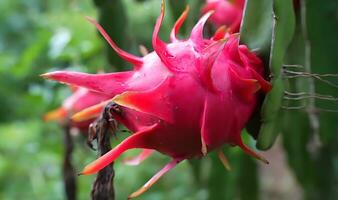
{"points": [[227, 13], [187, 98]]}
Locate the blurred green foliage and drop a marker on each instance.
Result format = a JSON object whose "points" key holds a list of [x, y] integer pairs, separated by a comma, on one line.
{"points": [[41, 36]]}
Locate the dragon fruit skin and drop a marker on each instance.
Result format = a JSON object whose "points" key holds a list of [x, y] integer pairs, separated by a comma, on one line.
{"points": [[228, 13], [185, 99], [81, 99]]}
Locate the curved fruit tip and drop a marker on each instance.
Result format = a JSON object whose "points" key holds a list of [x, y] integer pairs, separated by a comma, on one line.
{"points": [[224, 160], [159, 46], [178, 24], [155, 178], [47, 75], [137, 61], [68, 77], [137, 140], [196, 34], [133, 161], [90, 112], [266, 86], [108, 84], [56, 115], [250, 152]]}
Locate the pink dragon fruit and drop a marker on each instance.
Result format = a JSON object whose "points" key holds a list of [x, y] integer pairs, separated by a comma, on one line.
{"points": [[227, 13], [80, 99], [184, 99]]}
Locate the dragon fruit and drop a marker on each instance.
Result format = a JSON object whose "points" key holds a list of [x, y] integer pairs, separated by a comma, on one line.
{"points": [[184, 99], [227, 13], [80, 99]]}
